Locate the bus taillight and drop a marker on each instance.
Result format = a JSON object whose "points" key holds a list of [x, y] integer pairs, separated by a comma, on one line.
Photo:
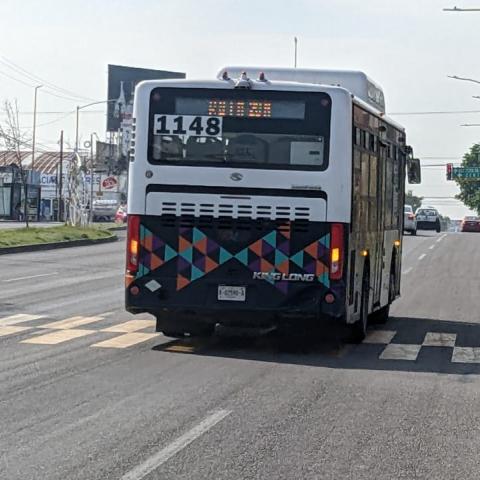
{"points": [[133, 242], [336, 252]]}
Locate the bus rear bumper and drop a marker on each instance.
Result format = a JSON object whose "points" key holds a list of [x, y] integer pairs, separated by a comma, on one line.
{"points": [[200, 319]]}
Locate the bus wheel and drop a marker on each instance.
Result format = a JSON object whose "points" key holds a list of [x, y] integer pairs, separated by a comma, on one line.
{"points": [[359, 328]]}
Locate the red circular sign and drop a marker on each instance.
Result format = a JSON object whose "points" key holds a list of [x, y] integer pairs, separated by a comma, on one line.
{"points": [[109, 183]]}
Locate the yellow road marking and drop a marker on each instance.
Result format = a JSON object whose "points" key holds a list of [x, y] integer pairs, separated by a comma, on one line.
{"points": [[130, 326], [19, 318], [72, 322], [11, 329], [127, 340], [59, 336]]}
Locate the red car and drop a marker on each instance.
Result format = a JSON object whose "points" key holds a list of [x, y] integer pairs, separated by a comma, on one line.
{"points": [[121, 215], [470, 224]]}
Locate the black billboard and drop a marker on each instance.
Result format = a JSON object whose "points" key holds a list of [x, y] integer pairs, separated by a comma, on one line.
{"points": [[121, 86]]}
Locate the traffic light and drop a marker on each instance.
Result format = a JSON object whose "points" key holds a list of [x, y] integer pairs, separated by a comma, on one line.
{"points": [[449, 171]]}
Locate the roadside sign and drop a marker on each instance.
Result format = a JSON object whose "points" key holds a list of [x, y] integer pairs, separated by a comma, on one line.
{"points": [[466, 172]]}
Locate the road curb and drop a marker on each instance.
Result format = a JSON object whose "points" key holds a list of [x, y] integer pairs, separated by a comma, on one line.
{"points": [[54, 245], [116, 228]]}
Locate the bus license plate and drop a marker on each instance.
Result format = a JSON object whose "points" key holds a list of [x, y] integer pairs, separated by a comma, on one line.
{"points": [[232, 294]]}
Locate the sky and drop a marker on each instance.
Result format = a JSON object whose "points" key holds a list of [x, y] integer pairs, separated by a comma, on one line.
{"points": [[409, 47]]}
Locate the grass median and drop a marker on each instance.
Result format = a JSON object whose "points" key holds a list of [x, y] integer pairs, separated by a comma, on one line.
{"points": [[35, 236]]}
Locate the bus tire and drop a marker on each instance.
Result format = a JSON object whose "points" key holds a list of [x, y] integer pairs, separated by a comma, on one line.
{"points": [[359, 328]]}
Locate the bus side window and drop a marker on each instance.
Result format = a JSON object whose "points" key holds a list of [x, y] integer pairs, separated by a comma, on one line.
{"points": [[363, 138], [364, 188], [373, 206]]}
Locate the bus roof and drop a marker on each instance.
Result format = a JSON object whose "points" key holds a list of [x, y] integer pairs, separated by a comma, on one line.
{"points": [[356, 82]]}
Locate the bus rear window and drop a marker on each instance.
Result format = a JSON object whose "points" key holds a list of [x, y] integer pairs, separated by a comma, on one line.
{"points": [[256, 129]]}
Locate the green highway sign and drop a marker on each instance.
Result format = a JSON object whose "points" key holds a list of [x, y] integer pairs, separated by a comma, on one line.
{"points": [[466, 172]]}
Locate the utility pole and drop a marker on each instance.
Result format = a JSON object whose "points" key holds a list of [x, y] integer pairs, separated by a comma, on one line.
{"points": [[60, 181], [90, 219], [34, 124]]}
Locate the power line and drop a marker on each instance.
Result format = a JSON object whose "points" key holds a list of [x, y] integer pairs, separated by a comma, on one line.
{"points": [[60, 112], [22, 71]]}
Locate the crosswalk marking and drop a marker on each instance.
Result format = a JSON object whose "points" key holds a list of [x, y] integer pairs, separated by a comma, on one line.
{"points": [[11, 329], [126, 340], [397, 351], [59, 336], [72, 322], [436, 339], [466, 355], [130, 326], [19, 318], [180, 348], [382, 337]]}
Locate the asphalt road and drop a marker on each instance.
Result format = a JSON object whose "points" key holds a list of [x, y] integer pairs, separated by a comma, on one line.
{"points": [[90, 392]]}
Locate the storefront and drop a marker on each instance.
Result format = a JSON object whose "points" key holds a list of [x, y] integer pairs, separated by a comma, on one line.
{"points": [[12, 195]]}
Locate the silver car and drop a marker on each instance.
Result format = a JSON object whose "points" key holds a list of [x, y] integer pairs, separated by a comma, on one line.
{"points": [[409, 220]]}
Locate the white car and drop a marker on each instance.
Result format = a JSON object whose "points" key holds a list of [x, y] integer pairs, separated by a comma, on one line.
{"points": [[428, 218], [409, 220]]}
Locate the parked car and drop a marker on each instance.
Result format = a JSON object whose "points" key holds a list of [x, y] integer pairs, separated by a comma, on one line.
{"points": [[409, 220], [470, 224], [428, 218], [121, 214]]}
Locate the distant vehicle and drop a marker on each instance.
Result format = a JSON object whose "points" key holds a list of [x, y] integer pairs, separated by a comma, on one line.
{"points": [[104, 209], [409, 220], [121, 214], [470, 224], [250, 208], [428, 218]]}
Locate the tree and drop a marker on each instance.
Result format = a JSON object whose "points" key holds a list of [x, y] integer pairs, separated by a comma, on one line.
{"points": [[13, 139], [470, 189], [411, 199]]}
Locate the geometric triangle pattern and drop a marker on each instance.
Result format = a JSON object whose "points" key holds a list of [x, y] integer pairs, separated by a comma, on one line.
{"points": [[198, 255]]}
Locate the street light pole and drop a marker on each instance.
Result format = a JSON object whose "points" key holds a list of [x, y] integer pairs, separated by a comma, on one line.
{"points": [[34, 124], [81, 107]]}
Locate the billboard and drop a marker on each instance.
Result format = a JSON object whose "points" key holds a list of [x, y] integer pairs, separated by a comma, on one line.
{"points": [[121, 86]]}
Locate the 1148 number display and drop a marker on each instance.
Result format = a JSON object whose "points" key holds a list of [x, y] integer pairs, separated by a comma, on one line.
{"points": [[191, 125]]}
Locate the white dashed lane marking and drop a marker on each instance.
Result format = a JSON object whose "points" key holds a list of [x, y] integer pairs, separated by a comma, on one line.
{"points": [[422, 256], [407, 271], [29, 277], [159, 458]]}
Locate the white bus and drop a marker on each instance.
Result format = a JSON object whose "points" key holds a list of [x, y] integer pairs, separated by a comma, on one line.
{"points": [[263, 199]]}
